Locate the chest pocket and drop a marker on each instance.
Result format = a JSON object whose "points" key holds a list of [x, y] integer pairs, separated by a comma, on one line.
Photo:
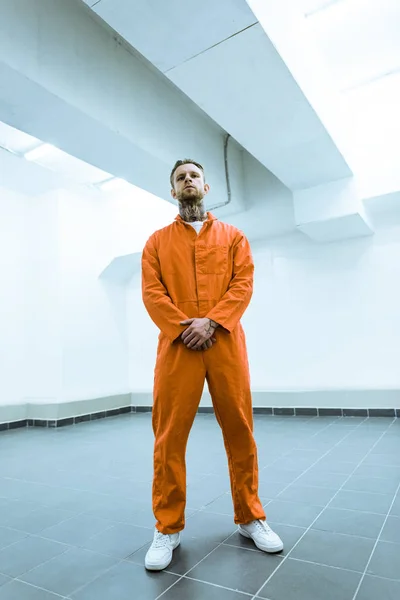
{"points": [[215, 259]]}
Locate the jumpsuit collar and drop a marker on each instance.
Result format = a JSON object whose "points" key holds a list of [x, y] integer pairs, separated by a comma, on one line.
{"points": [[210, 217]]}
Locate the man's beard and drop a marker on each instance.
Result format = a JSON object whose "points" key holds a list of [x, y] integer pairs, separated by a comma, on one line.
{"points": [[191, 207], [191, 196]]}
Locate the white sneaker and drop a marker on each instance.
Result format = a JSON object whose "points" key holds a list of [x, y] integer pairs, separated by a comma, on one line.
{"points": [[262, 535], [159, 555]]}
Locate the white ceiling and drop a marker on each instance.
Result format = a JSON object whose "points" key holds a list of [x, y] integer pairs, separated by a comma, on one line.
{"points": [[240, 80], [167, 32], [261, 105], [221, 58], [359, 39]]}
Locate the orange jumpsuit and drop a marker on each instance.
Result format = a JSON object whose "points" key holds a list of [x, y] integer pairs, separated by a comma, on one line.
{"points": [[187, 275]]}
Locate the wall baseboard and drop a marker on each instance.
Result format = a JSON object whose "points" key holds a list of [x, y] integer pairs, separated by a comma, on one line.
{"points": [[346, 403], [259, 410], [67, 421]]}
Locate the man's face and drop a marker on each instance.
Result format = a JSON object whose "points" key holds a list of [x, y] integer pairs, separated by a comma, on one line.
{"points": [[189, 186]]}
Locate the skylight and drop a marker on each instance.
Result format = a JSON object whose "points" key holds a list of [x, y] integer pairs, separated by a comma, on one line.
{"points": [[359, 43], [48, 156], [358, 39], [311, 7], [67, 165]]}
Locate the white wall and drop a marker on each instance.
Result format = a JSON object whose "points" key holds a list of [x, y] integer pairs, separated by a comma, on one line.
{"points": [[93, 337], [41, 311], [63, 328], [326, 316], [142, 334], [12, 295], [94, 228]]}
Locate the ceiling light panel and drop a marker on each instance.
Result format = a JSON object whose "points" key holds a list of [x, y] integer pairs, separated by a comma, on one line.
{"points": [[69, 166], [16, 141]]}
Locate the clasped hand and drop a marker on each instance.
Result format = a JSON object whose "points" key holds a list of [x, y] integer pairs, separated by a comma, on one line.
{"points": [[199, 334]]}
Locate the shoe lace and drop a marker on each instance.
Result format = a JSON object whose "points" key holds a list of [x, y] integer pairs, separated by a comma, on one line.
{"points": [[160, 540], [263, 526]]}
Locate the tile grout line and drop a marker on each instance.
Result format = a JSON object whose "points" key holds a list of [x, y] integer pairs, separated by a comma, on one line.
{"points": [[376, 543], [118, 561], [78, 514], [37, 587], [327, 505], [303, 527], [222, 587], [312, 562], [293, 448], [320, 564], [248, 549], [81, 587], [319, 459], [194, 566], [57, 487], [384, 578], [168, 588], [70, 546], [284, 456]]}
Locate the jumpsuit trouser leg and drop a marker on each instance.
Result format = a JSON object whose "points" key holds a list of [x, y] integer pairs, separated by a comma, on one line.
{"points": [[179, 380], [178, 386], [229, 384]]}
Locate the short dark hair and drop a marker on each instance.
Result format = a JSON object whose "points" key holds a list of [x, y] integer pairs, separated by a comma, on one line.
{"points": [[184, 161]]}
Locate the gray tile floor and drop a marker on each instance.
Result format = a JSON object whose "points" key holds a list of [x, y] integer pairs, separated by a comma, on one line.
{"points": [[75, 515]]}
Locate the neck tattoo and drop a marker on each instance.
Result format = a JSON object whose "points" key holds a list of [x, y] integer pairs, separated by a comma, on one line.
{"points": [[192, 212]]}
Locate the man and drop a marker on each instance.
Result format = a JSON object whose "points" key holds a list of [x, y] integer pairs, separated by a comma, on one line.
{"points": [[197, 281]]}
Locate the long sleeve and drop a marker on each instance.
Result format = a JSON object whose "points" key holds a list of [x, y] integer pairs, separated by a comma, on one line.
{"points": [[236, 299], [159, 305]]}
